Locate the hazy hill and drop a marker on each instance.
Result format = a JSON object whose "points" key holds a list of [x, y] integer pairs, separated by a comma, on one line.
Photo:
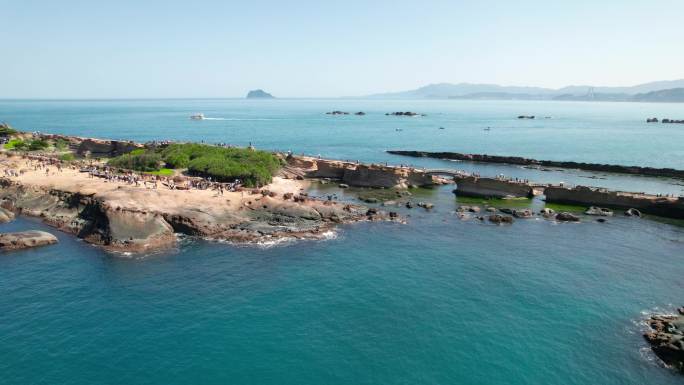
{"points": [[494, 91], [671, 95]]}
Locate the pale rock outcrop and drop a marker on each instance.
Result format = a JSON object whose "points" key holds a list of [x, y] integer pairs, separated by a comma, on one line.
{"points": [[26, 239]]}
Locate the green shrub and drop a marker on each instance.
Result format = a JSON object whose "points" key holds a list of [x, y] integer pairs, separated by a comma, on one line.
{"points": [[137, 151], [61, 144], [146, 161], [38, 144], [6, 130], [68, 157], [16, 144], [223, 164]]}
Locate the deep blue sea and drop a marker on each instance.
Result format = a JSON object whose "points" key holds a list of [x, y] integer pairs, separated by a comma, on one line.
{"points": [[435, 301]]}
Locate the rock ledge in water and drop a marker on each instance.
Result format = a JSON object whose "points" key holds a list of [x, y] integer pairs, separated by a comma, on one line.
{"points": [[26, 239], [666, 337], [6, 215]]}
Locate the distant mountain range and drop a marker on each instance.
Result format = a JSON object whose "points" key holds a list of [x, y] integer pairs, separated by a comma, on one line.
{"points": [[661, 91]]}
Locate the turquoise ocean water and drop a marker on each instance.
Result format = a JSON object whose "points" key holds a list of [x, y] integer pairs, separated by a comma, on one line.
{"points": [[434, 301]]}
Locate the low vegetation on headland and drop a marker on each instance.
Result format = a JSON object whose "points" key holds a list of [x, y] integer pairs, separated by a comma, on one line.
{"points": [[222, 164]]}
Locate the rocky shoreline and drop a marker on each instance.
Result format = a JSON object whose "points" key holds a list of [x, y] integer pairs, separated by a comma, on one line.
{"points": [[136, 217], [516, 160], [665, 336]]}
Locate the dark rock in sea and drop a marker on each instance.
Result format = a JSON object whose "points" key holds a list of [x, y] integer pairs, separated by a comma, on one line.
{"points": [[409, 205], [506, 211], [666, 338], [372, 211], [524, 213], [673, 121], [360, 113], [403, 113], [336, 112], [26, 239], [500, 219], [652, 120], [544, 165], [369, 199], [567, 217], [633, 213], [547, 212], [599, 211], [393, 214], [6, 215], [526, 117], [426, 205], [259, 94]]}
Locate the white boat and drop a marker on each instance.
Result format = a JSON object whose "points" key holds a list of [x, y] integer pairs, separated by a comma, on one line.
{"points": [[198, 116]]}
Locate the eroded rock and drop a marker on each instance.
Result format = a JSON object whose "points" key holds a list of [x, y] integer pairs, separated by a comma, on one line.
{"points": [[6, 215], [567, 217], [666, 338], [26, 239]]}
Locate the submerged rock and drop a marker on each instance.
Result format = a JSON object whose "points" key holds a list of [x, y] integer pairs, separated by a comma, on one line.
{"points": [[403, 113], [426, 205], [567, 217], [26, 239], [633, 213], [524, 213], [500, 219], [599, 211], [547, 212]]}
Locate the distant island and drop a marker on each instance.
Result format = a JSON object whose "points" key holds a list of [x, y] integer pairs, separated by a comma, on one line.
{"points": [[259, 94], [661, 91]]}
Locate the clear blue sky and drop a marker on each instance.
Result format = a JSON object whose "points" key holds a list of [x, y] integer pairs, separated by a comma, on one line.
{"points": [[73, 49]]}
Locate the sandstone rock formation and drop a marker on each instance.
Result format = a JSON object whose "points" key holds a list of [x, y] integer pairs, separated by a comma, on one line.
{"points": [[652, 204], [666, 338], [138, 219], [491, 187], [6, 215], [25, 239], [358, 174]]}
